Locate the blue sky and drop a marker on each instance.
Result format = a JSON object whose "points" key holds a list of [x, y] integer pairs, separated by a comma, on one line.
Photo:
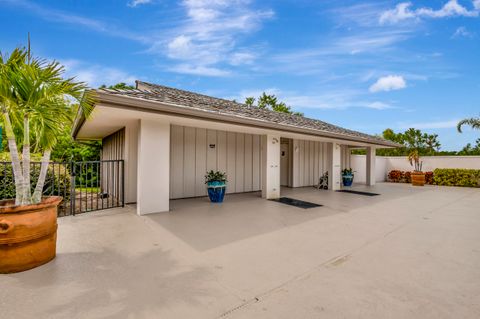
{"points": [[365, 65]]}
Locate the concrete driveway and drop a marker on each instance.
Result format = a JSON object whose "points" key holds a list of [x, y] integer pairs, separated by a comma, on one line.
{"points": [[408, 253]]}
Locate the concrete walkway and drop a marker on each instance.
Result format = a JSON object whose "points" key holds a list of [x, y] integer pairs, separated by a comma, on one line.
{"points": [[408, 253]]}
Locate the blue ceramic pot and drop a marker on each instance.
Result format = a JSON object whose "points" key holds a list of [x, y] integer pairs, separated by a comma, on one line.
{"points": [[216, 191], [347, 180]]}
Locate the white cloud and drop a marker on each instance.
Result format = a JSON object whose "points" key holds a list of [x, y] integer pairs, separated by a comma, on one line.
{"points": [[389, 83], [400, 13], [450, 9], [135, 3], [210, 34], [95, 75], [199, 70], [338, 100], [60, 16], [476, 4], [404, 12], [240, 58], [429, 125], [462, 32], [336, 52], [377, 105]]}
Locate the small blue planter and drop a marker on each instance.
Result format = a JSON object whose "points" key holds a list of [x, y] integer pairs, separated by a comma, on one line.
{"points": [[347, 180], [216, 191]]}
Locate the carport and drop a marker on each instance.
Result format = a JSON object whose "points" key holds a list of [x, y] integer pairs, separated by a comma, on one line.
{"points": [[170, 138]]}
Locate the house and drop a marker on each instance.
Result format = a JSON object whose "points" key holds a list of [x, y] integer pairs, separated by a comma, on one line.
{"points": [[169, 138]]}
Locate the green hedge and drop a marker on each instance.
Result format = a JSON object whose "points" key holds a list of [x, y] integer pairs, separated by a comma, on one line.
{"points": [[56, 183], [457, 177]]}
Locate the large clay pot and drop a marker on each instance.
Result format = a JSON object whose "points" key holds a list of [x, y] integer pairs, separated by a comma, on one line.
{"points": [[28, 234], [418, 178]]}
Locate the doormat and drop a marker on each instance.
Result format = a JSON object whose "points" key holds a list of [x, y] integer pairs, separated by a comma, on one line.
{"points": [[296, 202], [357, 192]]}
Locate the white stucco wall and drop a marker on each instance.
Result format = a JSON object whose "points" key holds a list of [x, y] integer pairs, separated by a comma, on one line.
{"points": [[430, 163], [385, 164], [153, 169]]}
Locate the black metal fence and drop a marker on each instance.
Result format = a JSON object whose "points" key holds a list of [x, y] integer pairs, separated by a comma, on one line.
{"points": [[85, 186]]}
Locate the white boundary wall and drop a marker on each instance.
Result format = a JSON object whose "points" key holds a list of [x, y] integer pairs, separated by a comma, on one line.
{"points": [[385, 164]]}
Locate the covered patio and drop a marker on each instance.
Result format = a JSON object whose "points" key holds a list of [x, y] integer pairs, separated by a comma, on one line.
{"points": [[409, 252]]}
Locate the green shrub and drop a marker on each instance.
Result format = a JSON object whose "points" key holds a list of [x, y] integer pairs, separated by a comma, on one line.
{"points": [[57, 181], [457, 177]]}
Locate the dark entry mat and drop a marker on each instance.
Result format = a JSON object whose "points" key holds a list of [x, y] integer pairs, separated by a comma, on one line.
{"points": [[296, 202], [357, 192]]}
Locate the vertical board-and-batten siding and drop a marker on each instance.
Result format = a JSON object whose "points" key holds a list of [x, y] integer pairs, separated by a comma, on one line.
{"points": [[113, 146], [309, 162], [237, 154], [111, 173]]}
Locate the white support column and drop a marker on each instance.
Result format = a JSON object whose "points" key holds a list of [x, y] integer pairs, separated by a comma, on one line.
{"points": [[334, 163], [371, 166], [270, 166], [153, 170]]}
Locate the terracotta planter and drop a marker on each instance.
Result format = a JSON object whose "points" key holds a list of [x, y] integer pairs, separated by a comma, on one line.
{"points": [[28, 234], [418, 178]]}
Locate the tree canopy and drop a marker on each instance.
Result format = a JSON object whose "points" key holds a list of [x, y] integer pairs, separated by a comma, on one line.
{"points": [[118, 86], [270, 101]]}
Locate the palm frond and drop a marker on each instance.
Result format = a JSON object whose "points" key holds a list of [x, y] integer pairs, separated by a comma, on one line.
{"points": [[473, 122]]}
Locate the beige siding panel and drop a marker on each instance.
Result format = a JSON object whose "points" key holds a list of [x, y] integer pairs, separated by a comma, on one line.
{"points": [[237, 154], [176, 161], [222, 151], [256, 172], [308, 155], [200, 161], [240, 163], [324, 157], [189, 162], [312, 163], [301, 159], [308, 162], [231, 160], [113, 148], [248, 160], [316, 162], [211, 151]]}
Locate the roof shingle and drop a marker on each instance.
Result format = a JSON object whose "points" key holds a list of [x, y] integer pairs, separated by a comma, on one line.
{"points": [[159, 93]]}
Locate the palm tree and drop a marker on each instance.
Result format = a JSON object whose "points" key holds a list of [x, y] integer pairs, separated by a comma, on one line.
{"points": [[474, 122], [36, 102]]}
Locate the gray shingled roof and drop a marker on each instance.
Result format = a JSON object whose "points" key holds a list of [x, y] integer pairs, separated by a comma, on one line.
{"points": [[159, 93]]}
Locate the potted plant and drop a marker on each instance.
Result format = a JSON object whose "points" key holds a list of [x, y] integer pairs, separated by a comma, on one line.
{"points": [[35, 103], [417, 176], [347, 176], [216, 185]]}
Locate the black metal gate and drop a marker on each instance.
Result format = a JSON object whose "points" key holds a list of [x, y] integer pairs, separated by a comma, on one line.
{"points": [[85, 186]]}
